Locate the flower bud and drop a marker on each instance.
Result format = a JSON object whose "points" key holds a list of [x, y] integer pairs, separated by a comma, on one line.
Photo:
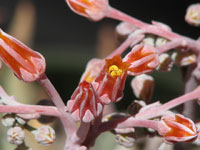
{"points": [[166, 63], [160, 41], [16, 135], [125, 28], [126, 140], [27, 64], [135, 106], [143, 86], [20, 120], [84, 104], [193, 15], [92, 9], [44, 135], [8, 120], [184, 58], [142, 59], [177, 128], [149, 39]]}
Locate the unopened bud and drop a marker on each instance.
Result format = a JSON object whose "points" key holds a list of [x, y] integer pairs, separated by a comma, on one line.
{"points": [[8, 120], [166, 63], [184, 58], [125, 28], [126, 140], [193, 15], [149, 39], [45, 135], [16, 135], [20, 120], [143, 86], [160, 41], [135, 106], [177, 128]]}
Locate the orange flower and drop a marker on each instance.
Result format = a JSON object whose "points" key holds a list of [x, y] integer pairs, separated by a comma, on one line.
{"points": [[27, 64], [142, 59], [177, 128], [84, 103], [111, 80], [93, 9]]}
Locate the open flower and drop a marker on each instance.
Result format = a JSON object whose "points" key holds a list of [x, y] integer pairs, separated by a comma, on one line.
{"points": [[111, 80], [92, 9], [85, 104], [27, 64], [177, 128], [142, 59]]}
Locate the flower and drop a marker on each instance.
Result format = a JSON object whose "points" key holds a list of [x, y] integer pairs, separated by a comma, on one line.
{"points": [[177, 128], [93, 68], [193, 15], [92, 9], [110, 82], [84, 104], [142, 59], [44, 135], [16, 135], [27, 64], [8, 120], [143, 86]]}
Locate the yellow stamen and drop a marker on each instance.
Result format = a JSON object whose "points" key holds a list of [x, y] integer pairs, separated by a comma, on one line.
{"points": [[115, 71]]}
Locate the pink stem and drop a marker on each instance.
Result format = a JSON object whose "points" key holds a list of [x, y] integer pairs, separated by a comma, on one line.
{"points": [[118, 15], [128, 123], [170, 45], [30, 109], [66, 119], [154, 112]]}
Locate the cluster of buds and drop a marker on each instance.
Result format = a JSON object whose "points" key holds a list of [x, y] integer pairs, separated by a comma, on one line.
{"points": [[10, 120], [104, 81], [184, 58]]}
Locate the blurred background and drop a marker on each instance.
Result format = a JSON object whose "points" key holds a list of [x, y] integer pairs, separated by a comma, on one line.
{"points": [[68, 41]]}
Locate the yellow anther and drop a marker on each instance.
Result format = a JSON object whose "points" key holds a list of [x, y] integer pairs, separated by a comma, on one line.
{"points": [[115, 71]]}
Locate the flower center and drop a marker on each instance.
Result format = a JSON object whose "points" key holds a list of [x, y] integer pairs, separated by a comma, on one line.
{"points": [[115, 71]]}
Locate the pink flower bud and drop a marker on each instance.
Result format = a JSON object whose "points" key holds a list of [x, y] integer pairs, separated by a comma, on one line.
{"points": [[27, 64], [85, 104], [125, 28], [111, 80], [143, 86], [142, 59], [92, 9], [193, 15], [44, 135], [16, 135], [177, 128]]}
